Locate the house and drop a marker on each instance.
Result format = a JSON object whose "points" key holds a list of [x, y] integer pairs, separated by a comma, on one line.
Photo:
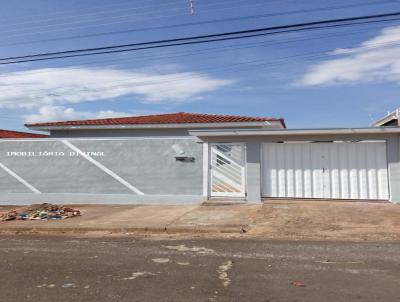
{"points": [[391, 119], [17, 134], [188, 157], [173, 124]]}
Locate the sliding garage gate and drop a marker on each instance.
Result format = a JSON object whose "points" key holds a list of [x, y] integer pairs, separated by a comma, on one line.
{"points": [[338, 170]]}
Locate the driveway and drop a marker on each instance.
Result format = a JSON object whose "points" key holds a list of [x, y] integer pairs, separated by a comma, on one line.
{"points": [[121, 269], [327, 220]]}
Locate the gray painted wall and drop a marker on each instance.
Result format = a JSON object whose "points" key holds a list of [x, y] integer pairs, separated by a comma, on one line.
{"points": [[147, 164]]}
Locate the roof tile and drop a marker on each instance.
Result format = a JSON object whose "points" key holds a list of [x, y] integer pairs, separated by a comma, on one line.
{"points": [[170, 118], [17, 134]]}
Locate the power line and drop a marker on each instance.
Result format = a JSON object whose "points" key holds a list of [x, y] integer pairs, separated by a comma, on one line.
{"points": [[38, 18], [61, 15], [58, 13], [203, 38], [252, 17], [219, 70], [163, 16], [214, 6], [130, 20], [176, 54], [129, 81], [184, 75]]}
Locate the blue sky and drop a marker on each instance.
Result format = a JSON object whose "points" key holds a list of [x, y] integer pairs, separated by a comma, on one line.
{"points": [[329, 78]]}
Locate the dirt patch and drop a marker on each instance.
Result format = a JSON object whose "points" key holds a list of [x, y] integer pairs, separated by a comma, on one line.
{"points": [[327, 220]]}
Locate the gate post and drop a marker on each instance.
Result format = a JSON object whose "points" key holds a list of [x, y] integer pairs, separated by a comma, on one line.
{"points": [[253, 171], [393, 157]]}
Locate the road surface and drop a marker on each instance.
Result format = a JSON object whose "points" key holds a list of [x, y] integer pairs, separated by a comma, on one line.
{"points": [[44, 269]]}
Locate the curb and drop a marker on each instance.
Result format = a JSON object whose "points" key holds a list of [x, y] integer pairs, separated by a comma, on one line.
{"points": [[145, 230]]}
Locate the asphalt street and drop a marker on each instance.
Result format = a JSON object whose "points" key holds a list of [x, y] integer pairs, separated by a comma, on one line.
{"points": [[124, 269]]}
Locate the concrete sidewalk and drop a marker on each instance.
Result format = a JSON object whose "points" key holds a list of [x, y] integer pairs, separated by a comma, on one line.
{"points": [[277, 220], [143, 218]]}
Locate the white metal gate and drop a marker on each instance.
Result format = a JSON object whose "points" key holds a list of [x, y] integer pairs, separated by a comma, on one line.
{"points": [[227, 169], [342, 170]]}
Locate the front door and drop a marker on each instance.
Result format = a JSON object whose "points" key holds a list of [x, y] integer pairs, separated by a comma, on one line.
{"points": [[227, 169]]}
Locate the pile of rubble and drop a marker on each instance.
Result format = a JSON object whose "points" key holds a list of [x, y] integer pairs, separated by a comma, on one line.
{"points": [[40, 212]]}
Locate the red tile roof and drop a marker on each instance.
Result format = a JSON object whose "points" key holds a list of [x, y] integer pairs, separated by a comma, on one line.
{"points": [[17, 134], [171, 118]]}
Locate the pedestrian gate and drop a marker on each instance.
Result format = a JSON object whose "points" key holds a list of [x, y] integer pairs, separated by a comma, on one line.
{"points": [[227, 170]]}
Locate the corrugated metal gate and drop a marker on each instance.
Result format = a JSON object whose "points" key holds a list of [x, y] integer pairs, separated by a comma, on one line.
{"points": [[340, 170]]}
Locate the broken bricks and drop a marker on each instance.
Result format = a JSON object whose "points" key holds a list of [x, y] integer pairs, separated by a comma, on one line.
{"points": [[40, 212]]}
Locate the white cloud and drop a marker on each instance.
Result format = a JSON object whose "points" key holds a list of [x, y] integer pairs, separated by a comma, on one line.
{"points": [[72, 85], [59, 113], [375, 60]]}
